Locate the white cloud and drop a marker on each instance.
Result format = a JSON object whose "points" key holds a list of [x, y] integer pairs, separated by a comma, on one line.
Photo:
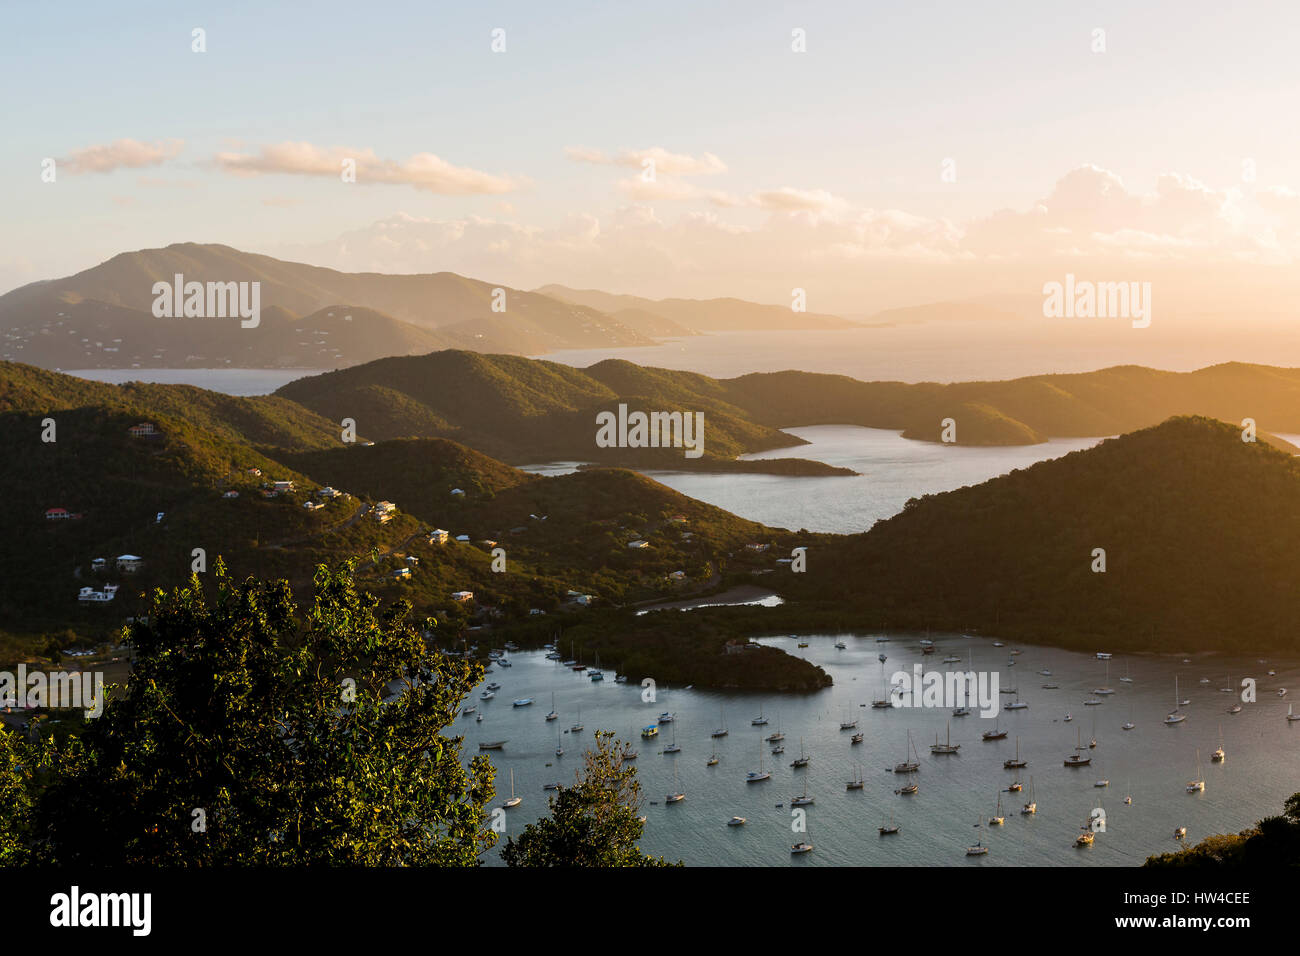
{"points": [[119, 154], [423, 170]]}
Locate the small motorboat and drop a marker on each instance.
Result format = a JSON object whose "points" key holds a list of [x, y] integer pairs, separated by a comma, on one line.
{"points": [[737, 822]]}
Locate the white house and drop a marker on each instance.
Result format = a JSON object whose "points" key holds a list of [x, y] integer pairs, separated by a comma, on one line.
{"points": [[463, 537], [577, 597], [98, 564], [230, 494], [57, 514], [384, 511], [457, 493], [129, 563], [283, 486], [638, 544], [328, 492], [438, 536], [462, 596], [412, 560], [402, 573]]}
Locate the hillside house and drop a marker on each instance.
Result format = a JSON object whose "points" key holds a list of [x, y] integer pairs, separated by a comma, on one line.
{"points": [[143, 430], [412, 561], [328, 492], [402, 574], [638, 544], [283, 486], [99, 564], [89, 595], [457, 493], [256, 472], [577, 597], [384, 511], [230, 494], [129, 563], [57, 514], [462, 596], [463, 538], [312, 505], [438, 536]]}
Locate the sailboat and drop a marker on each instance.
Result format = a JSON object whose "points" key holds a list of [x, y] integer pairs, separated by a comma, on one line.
{"points": [[890, 830], [513, 801], [847, 724], [1174, 716], [881, 702], [909, 766], [760, 774], [559, 750], [945, 748], [713, 758], [802, 759], [1078, 758], [628, 752], [1126, 679], [672, 748], [979, 849], [721, 731], [577, 727], [773, 738], [1016, 704], [1197, 785], [552, 715], [1031, 806], [1290, 715], [1219, 756], [676, 794], [996, 733], [760, 720], [1128, 724], [998, 819], [803, 801], [1017, 763], [1105, 688], [858, 783]]}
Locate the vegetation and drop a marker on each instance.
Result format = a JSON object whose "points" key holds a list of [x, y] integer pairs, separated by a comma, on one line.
{"points": [[1274, 841], [248, 734], [593, 823]]}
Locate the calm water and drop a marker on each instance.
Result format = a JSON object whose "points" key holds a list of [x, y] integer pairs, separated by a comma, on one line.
{"points": [[231, 381], [890, 469], [964, 351], [1152, 763]]}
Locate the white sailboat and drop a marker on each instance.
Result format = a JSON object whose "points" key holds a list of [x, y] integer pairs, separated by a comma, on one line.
{"points": [[1197, 785], [979, 849], [858, 782], [1031, 806], [805, 800], [1105, 688], [676, 794], [1219, 756], [552, 715], [1174, 716], [802, 759], [1016, 763], [778, 736], [1290, 715], [513, 801], [998, 819], [722, 730], [760, 774]]}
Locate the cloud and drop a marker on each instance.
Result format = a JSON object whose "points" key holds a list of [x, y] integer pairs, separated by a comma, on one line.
{"points": [[119, 154], [658, 158], [423, 171]]}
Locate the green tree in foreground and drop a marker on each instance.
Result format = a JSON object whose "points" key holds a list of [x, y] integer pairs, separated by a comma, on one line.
{"points": [[592, 823], [1274, 841], [245, 736]]}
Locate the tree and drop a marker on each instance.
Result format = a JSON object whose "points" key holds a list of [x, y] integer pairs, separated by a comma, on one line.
{"points": [[592, 823], [245, 736]]}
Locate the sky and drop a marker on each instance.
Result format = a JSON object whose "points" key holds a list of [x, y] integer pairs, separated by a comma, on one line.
{"points": [[909, 153]]}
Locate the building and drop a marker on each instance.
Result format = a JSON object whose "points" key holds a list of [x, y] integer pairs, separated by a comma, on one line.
{"points": [[402, 574], [412, 561], [312, 505], [283, 486], [230, 494], [464, 538], [438, 536], [462, 596], [143, 430], [328, 492], [91, 596], [638, 544], [98, 564], [255, 471], [760, 548], [457, 493], [57, 514], [129, 563], [577, 597]]}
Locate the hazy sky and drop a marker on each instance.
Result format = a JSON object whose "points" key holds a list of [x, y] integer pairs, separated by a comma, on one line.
{"points": [[1173, 156]]}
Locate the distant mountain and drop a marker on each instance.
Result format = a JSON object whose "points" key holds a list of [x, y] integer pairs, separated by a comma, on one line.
{"points": [[705, 315], [526, 410], [102, 317], [1198, 528], [941, 312]]}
